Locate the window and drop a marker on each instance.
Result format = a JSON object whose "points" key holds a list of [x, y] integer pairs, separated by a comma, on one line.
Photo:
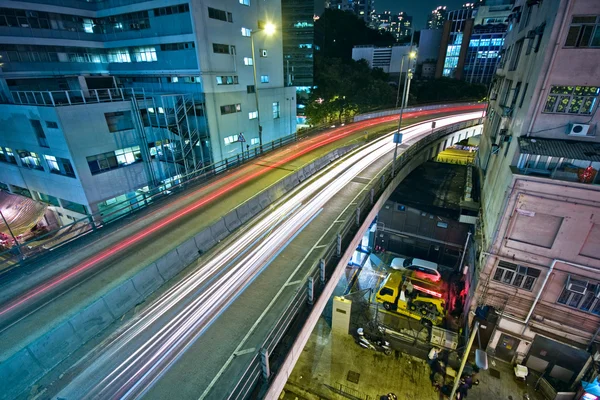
{"points": [[253, 115], [245, 2], [7, 156], [179, 9], [221, 48], [572, 99], [506, 92], [254, 141], [248, 61], [144, 54], [51, 125], [46, 198], [584, 32], [513, 102], [60, 166], [119, 121], [231, 108], [127, 156], [246, 32], [264, 79], [276, 110], [30, 160], [39, 132], [516, 54], [119, 56], [250, 89], [227, 80], [102, 162], [588, 301], [230, 139], [220, 14], [177, 46], [263, 53], [516, 275]]}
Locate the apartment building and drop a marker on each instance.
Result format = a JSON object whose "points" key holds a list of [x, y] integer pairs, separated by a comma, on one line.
{"points": [[539, 284], [103, 100]]}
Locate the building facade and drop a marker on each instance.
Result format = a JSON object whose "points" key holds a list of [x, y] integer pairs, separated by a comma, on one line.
{"points": [[103, 100], [539, 284], [429, 49], [472, 41], [389, 59], [364, 9]]}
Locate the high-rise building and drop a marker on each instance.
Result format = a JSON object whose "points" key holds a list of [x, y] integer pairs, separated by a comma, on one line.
{"points": [[299, 45], [539, 283], [103, 100], [401, 27], [472, 39], [437, 18]]}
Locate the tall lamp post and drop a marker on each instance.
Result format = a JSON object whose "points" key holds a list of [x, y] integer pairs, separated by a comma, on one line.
{"points": [[404, 102], [269, 29]]}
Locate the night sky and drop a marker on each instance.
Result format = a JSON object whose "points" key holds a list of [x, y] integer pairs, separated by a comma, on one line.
{"points": [[418, 9]]}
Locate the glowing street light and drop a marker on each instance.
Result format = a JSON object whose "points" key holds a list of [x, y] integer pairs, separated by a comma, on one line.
{"points": [[269, 29]]}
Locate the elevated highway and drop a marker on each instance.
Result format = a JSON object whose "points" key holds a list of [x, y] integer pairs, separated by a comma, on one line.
{"points": [[240, 315]]}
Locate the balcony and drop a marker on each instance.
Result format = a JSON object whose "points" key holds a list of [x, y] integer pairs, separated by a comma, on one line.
{"points": [[563, 160], [73, 97]]}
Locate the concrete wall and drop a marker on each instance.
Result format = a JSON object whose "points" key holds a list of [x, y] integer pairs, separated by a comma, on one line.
{"points": [[30, 363]]}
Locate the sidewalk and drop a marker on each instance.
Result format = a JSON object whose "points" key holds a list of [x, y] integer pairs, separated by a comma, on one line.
{"points": [[332, 366]]}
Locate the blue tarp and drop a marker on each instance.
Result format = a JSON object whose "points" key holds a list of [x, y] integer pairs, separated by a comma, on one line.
{"points": [[591, 387]]}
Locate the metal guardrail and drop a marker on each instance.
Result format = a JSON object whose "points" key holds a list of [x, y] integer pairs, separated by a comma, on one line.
{"points": [[396, 111], [290, 322], [37, 246]]}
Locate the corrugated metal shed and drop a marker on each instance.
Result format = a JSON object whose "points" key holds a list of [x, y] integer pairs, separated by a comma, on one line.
{"points": [[578, 150]]}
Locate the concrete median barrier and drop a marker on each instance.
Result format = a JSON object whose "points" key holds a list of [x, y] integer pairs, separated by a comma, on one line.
{"points": [[219, 230], [264, 199], [168, 265], [204, 240], [232, 221], [188, 252], [244, 213], [254, 206], [147, 280], [301, 175], [92, 320], [54, 346], [17, 373], [122, 298]]}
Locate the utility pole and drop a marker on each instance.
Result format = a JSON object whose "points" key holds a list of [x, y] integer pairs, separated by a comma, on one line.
{"points": [[464, 359]]}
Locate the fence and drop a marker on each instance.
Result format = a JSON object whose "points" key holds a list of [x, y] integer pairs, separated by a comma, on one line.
{"points": [[260, 371], [34, 248], [396, 111]]}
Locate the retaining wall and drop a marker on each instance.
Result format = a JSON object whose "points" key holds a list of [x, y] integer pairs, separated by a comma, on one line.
{"points": [[29, 364]]}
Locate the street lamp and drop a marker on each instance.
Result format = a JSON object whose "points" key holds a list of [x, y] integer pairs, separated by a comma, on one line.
{"points": [[269, 29], [398, 136]]}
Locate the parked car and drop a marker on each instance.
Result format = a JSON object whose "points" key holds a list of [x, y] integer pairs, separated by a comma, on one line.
{"points": [[423, 269]]}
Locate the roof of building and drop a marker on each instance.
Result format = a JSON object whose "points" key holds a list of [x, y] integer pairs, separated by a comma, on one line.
{"points": [[577, 150], [433, 187]]}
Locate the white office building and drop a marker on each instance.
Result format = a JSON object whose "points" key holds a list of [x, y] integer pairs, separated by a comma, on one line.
{"points": [[103, 100]]}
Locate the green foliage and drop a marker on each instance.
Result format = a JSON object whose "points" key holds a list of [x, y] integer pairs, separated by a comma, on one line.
{"points": [[346, 88]]}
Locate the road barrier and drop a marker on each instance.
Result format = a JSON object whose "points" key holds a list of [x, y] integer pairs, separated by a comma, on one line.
{"points": [[299, 312], [30, 363]]}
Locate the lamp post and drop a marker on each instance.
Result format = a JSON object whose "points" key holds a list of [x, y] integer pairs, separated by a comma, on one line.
{"points": [[269, 29], [398, 136]]}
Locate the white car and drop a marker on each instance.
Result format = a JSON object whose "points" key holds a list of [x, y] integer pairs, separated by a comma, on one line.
{"points": [[424, 269]]}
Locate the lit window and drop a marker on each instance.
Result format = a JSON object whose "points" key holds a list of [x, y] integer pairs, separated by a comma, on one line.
{"points": [[264, 79], [219, 80], [572, 99], [248, 61], [253, 115], [151, 110], [30, 160], [245, 2], [161, 110], [246, 32], [145, 54], [119, 56], [174, 79], [230, 139], [276, 110], [254, 141], [88, 26]]}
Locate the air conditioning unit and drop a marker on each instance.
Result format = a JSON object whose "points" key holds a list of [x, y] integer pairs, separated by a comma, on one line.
{"points": [[578, 129], [577, 286]]}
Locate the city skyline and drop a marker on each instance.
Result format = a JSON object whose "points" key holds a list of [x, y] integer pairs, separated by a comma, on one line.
{"points": [[418, 10]]}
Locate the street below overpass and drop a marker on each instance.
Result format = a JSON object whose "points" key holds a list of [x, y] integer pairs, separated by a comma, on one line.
{"points": [[198, 335]]}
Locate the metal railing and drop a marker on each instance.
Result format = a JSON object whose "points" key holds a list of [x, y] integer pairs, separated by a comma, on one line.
{"points": [[74, 97], [299, 307], [36, 247], [396, 111]]}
